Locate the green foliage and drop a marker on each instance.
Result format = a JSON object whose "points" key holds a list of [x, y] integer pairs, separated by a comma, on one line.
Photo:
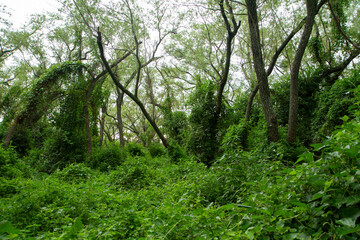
{"points": [[176, 152], [176, 125], [333, 104], [131, 177], [10, 166], [156, 150], [108, 157], [134, 149], [236, 138], [58, 151], [203, 140], [75, 172]]}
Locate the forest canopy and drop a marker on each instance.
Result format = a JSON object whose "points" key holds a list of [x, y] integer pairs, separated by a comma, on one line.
{"points": [[245, 112]]}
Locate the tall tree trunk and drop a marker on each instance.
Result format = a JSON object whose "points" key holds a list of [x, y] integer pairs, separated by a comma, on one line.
{"points": [[271, 119], [11, 132], [250, 102], [311, 7], [120, 126], [231, 33], [274, 59], [102, 125], [87, 116], [127, 92]]}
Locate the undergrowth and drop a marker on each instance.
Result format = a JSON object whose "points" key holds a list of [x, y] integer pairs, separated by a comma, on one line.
{"points": [[242, 196]]}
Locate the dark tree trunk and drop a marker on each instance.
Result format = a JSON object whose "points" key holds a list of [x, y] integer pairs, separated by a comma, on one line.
{"points": [[311, 6], [274, 59], [231, 33], [120, 126], [102, 125], [11, 132], [271, 119], [127, 92]]}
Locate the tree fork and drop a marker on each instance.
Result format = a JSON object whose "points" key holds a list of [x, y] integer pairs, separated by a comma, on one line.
{"points": [[127, 92]]}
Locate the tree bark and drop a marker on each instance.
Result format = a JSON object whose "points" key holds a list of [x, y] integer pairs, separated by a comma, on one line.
{"points": [[231, 33], [274, 59], [311, 7], [11, 132], [102, 125], [271, 119], [127, 92], [120, 125]]}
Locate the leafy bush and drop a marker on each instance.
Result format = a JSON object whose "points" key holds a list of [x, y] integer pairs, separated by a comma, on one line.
{"points": [[108, 157], [333, 104], [176, 125], [203, 141], [176, 152], [132, 177], [58, 152], [135, 149], [8, 188], [10, 166], [236, 138], [156, 150], [75, 172]]}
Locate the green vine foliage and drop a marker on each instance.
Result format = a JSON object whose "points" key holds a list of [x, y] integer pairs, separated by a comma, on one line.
{"points": [[47, 87], [203, 141], [333, 104]]}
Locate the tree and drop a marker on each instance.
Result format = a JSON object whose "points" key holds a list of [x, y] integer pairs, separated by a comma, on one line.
{"points": [[261, 75], [312, 9]]}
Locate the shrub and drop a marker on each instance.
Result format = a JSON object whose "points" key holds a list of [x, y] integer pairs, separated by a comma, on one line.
{"points": [[59, 151], [108, 157], [156, 150], [176, 153], [235, 138], [76, 172], [135, 149], [132, 177], [9, 163], [203, 140]]}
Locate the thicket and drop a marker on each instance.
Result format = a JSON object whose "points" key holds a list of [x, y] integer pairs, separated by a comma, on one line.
{"points": [[274, 191]]}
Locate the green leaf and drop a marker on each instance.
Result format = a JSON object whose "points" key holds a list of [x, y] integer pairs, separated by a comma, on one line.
{"points": [[342, 231], [349, 222], [317, 195], [7, 227], [345, 118], [78, 225], [316, 146], [327, 184], [249, 234], [352, 200]]}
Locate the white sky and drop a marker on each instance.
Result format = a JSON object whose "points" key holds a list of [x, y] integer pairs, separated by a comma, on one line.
{"points": [[22, 9]]}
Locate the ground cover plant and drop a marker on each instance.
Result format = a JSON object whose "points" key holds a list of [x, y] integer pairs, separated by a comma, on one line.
{"points": [[242, 196], [198, 119]]}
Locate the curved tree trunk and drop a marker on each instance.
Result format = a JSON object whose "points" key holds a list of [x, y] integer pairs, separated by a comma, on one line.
{"points": [[127, 92]]}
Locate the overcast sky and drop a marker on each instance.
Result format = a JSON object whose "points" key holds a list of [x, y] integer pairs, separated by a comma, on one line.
{"points": [[22, 9]]}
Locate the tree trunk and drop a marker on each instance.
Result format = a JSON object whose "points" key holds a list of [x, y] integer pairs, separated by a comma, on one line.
{"points": [[87, 117], [120, 126], [271, 119], [231, 33], [11, 132], [311, 6], [102, 125], [127, 92]]}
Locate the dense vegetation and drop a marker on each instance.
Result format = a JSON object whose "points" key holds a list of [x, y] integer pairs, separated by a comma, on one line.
{"points": [[122, 120]]}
